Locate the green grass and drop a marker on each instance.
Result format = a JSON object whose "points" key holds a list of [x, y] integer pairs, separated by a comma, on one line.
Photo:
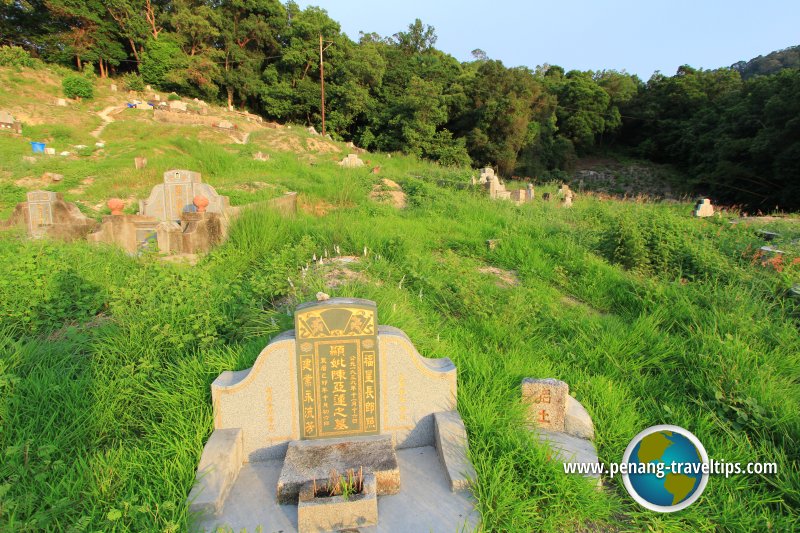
{"points": [[650, 315]]}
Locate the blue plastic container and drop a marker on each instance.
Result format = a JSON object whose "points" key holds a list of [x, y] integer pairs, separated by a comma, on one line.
{"points": [[38, 148]]}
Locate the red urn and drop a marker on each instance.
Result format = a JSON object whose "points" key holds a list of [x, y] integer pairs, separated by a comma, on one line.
{"points": [[116, 205], [200, 202]]}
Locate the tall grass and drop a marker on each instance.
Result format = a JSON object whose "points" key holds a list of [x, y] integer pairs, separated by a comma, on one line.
{"points": [[650, 315], [106, 361]]}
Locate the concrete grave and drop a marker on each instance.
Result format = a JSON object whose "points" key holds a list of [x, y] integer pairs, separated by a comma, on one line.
{"points": [[351, 161], [170, 199], [46, 214], [261, 156], [196, 231], [140, 163], [113, 87], [703, 208], [497, 190], [566, 195], [338, 392], [225, 125], [8, 123], [177, 105], [560, 421]]}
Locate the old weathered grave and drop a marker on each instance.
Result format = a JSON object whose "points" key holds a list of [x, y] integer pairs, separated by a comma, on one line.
{"points": [[561, 422], [8, 123], [46, 213], [140, 163], [351, 161], [703, 208], [497, 190], [342, 393], [167, 201], [178, 106], [566, 195]]}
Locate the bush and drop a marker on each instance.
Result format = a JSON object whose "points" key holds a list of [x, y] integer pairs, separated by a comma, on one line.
{"points": [[173, 97], [77, 87], [133, 82], [14, 56]]}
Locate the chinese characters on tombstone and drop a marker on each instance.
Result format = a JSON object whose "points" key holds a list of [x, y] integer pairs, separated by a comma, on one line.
{"points": [[337, 358]]}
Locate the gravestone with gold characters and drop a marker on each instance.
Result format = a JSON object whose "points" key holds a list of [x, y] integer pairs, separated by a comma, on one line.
{"points": [[337, 354], [339, 391]]}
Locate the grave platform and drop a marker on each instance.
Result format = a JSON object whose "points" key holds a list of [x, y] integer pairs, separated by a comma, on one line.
{"points": [[309, 460], [425, 502]]}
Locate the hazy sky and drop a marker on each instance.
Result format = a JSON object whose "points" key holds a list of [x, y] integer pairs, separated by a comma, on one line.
{"points": [[640, 36]]}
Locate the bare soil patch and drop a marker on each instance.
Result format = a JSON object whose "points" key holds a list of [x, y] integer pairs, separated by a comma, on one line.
{"points": [[390, 192], [505, 278]]}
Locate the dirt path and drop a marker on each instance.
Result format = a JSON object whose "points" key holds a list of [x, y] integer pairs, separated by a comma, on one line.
{"points": [[105, 116]]}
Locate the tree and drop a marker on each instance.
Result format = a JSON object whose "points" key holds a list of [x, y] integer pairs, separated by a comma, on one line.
{"points": [[419, 38]]}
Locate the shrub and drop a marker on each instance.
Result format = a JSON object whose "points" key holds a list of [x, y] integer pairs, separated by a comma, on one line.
{"points": [[173, 97], [133, 82], [77, 87], [88, 71], [14, 56]]}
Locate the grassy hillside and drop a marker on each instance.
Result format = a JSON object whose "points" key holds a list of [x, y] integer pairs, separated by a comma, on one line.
{"points": [[650, 315]]}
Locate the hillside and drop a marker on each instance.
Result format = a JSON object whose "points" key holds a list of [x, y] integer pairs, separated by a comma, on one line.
{"points": [[769, 64], [651, 315]]}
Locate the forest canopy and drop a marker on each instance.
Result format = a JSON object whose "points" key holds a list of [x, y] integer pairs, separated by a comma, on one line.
{"points": [[735, 131]]}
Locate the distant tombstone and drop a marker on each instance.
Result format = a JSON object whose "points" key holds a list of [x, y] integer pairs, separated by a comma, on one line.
{"points": [[260, 156], [61, 102], [7, 122], [225, 125], [40, 211], [172, 198], [337, 392], [50, 151], [45, 213], [113, 87], [312, 130], [140, 163], [177, 105], [703, 208], [351, 161]]}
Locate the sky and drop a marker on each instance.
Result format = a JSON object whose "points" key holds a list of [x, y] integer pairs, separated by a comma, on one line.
{"points": [[641, 36]]}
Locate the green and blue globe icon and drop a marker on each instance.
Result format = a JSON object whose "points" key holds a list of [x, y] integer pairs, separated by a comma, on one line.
{"points": [[666, 471]]}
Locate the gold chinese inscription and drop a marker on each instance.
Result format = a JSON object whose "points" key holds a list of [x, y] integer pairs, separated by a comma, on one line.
{"points": [[337, 361]]}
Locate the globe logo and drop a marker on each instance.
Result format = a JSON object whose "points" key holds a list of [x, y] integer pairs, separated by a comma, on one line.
{"points": [[665, 468]]}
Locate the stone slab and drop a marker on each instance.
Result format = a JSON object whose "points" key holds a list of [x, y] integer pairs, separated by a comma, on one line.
{"points": [[308, 460], [219, 467], [425, 502], [547, 402], [577, 421], [452, 446], [319, 515], [570, 449]]}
